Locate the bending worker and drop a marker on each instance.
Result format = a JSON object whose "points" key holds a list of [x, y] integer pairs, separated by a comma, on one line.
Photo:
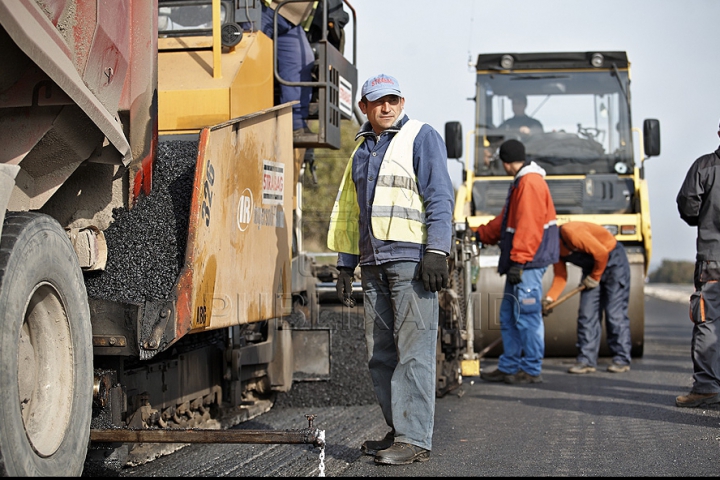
{"points": [[606, 277]]}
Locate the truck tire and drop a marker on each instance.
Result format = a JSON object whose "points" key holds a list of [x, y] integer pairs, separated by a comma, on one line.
{"points": [[46, 363]]}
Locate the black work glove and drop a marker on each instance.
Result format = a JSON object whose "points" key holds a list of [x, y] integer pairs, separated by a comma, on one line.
{"points": [[514, 275], [434, 271], [476, 237], [344, 286]]}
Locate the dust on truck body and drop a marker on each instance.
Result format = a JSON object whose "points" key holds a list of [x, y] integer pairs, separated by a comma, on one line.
{"points": [[595, 171], [88, 89]]}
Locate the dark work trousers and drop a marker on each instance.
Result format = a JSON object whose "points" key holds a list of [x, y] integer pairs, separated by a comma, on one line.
{"points": [[705, 314], [611, 297]]}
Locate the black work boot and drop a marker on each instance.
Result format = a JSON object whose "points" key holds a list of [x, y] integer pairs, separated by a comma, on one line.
{"points": [[523, 377], [371, 447], [402, 454], [496, 375], [694, 399]]}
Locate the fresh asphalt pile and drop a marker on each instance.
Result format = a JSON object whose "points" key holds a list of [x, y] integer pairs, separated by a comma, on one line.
{"points": [[146, 243]]}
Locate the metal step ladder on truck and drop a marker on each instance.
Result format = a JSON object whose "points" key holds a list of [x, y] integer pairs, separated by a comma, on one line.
{"points": [[90, 93], [595, 171]]}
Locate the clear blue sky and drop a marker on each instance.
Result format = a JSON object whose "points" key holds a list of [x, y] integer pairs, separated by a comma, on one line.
{"points": [[673, 47]]}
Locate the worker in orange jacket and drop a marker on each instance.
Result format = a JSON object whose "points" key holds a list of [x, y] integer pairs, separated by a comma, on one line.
{"points": [[606, 277]]}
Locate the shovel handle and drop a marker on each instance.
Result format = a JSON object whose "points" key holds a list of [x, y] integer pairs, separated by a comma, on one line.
{"points": [[560, 300], [489, 347]]}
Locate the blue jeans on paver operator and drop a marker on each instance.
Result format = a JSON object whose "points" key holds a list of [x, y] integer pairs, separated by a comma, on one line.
{"points": [[295, 61], [401, 328], [521, 325]]}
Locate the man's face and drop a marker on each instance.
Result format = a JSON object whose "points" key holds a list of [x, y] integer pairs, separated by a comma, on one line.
{"points": [[518, 107], [512, 168], [383, 112]]}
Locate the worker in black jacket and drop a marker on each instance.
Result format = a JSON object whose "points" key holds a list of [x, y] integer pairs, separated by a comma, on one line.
{"points": [[699, 205]]}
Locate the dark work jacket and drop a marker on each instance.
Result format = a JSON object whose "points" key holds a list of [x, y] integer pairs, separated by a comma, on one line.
{"points": [[698, 203]]}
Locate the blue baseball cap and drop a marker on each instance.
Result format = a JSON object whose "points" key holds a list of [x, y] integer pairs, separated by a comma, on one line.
{"points": [[379, 86]]}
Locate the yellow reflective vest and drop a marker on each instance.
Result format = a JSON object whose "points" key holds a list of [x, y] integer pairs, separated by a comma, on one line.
{"points": [[398, 210]]}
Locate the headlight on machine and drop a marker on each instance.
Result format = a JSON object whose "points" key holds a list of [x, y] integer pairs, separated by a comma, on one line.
{"points": [[612, 229], [628, 230]]}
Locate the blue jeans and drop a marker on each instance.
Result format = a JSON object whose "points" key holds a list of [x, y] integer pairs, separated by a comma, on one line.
{"points": [[521, 325], [401, 328], [295, 61]]}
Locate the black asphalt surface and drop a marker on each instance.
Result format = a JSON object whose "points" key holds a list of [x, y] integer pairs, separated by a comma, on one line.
{"points": [[600, 424]]}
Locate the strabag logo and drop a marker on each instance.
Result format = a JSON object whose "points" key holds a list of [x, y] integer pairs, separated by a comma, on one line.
{"points": [[273, 183]]}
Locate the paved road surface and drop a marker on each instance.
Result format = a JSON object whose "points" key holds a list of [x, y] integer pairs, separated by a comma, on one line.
{"points": [[601, 424]]}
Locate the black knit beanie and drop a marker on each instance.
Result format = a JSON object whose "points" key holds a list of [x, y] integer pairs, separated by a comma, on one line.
{"points": [[512, 151]]}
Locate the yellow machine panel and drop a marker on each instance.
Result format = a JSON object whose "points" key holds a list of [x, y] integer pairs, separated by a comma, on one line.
{"points": [[193, 94], [238, 261]]}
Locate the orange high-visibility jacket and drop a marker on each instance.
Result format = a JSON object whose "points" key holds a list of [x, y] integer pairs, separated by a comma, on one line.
{"points": [[586, 238]]}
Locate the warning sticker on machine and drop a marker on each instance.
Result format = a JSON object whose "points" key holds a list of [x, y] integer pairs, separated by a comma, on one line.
{"points": [[345, 97], [273, 183]]}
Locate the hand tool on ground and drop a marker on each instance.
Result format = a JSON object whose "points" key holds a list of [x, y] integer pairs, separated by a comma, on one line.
{"points": [[485, 350]]}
